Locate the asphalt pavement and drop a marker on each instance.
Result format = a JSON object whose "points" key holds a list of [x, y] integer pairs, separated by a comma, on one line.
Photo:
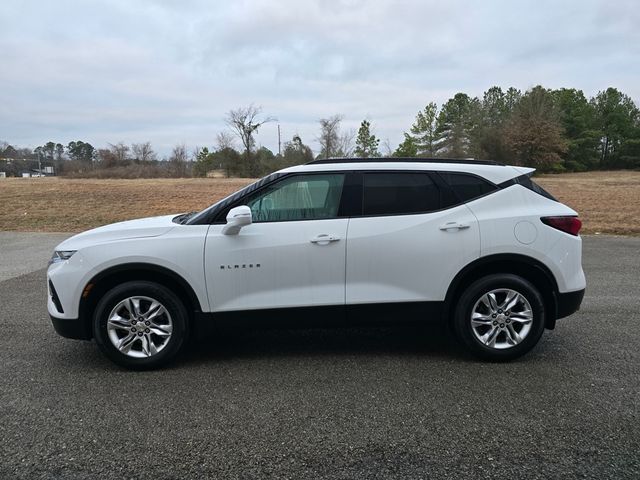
{"points": [[355, 403], [22, 253]]}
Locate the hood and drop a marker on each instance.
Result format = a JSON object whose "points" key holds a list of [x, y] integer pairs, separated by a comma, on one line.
{"points": [[140, 228]]}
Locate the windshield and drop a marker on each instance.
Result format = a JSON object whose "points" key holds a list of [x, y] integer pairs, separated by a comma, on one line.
{"points": [[209, 214]]}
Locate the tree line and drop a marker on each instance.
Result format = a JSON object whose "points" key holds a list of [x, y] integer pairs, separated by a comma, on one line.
{"points": [[552, 130]]}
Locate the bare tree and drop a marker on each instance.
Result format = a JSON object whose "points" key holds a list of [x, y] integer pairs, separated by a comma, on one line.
{"points": [[346, 144], [386, 148], [143, 152], [329, 138], [120, 152], [178, 160], [224, 141], [245, 122]]}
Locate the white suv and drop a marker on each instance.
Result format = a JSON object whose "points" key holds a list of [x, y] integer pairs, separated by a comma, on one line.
{"points": [[333, 242]]}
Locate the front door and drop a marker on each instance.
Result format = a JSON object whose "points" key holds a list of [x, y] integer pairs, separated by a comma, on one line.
{"points": [[292, 255]]}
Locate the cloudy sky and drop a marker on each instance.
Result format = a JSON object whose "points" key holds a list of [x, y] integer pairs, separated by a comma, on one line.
{"points": [[168, 71]]}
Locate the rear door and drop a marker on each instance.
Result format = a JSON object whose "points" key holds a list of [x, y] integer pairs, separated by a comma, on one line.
{"points": [[292, 255], [412, 237]]}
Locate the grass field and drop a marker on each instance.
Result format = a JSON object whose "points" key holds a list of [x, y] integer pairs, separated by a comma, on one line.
{"points": [[608, 202]]}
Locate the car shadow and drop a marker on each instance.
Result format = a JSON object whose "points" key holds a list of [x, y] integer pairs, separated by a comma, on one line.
{"points": [[432, 340]]}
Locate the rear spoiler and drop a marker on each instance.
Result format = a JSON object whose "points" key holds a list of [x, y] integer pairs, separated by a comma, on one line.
{"points": [[523, 170]]}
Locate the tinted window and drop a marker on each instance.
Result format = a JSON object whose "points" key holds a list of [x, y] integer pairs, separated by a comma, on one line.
{"points": [[302, 197], [399, 193], [531, 185], [467, 187]]}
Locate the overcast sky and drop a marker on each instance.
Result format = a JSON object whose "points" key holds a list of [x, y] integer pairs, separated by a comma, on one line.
{"points": [[168, 71]]}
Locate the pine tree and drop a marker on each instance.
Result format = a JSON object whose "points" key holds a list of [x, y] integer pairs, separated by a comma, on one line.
{"points": [[408, 148], [455, 126], [423, 131], [366, 142]]}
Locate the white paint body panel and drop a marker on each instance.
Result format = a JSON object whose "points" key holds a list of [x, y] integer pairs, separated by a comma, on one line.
{"points": [[499, 213], [407, 258], [293, 271], [180, 249]]}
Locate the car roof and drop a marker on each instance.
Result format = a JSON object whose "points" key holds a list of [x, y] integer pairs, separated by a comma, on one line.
{"points": [[492, 171]]}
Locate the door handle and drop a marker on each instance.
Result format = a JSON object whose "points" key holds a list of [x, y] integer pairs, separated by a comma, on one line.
{"points": [[454, 226], [324, 239]]}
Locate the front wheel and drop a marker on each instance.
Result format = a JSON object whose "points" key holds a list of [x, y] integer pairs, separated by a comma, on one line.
{"points": [[140, 325], [500, 317]]}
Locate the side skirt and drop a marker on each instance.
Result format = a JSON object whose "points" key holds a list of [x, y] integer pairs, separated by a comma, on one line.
{"points": [[330, 316]]}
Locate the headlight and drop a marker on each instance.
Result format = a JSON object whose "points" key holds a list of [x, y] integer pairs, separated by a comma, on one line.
{"points": [[61, 256]]}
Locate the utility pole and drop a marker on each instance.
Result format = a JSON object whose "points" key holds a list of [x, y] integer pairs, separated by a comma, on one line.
{"points": [[39, 166], [279, 152]]}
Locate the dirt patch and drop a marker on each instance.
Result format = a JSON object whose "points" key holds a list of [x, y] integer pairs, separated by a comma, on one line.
{"points": [[608, 202]]}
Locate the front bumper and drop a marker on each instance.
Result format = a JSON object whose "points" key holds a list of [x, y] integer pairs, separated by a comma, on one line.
{"points": [[71, 328], [568, 303]]}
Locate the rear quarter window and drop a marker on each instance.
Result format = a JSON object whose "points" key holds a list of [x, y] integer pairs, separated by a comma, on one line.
{"points": [[467, 187]]}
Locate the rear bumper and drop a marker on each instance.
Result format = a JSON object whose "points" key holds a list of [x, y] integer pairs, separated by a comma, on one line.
{"points": [[71, 328], [568, 303]]}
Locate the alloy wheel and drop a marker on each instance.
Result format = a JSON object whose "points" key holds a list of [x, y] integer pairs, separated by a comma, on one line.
{"points": [[139, 327], [501, 318]]}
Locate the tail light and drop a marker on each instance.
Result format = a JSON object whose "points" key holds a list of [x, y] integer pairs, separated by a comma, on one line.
{"points": [[570, 225]]}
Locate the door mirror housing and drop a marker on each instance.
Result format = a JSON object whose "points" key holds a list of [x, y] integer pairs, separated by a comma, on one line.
{"points": [[236, 219]]}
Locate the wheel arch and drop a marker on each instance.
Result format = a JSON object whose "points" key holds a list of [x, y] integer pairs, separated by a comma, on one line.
{"points": [[112, 276], [526, 267]]}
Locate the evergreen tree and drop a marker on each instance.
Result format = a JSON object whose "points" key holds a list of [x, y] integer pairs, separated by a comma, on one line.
{"points": [[455, 126], [408, 148], [366, 142], [618, 118], [423, 131], [578, 119], [296, 153]]}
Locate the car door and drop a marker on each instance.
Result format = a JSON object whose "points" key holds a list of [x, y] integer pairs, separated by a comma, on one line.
{"points": [[292, 255], [412, 238]]}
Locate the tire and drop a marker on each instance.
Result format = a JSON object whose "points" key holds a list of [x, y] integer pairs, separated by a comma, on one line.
{"points": [[496, 333], [150, 337]]}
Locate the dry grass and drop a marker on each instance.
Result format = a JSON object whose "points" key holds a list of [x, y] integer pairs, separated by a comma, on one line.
{"points": [[608, 202], [72, 205]]}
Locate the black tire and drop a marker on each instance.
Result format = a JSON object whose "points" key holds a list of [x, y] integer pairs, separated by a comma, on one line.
{"points": [[172, 304], [462, 319]]}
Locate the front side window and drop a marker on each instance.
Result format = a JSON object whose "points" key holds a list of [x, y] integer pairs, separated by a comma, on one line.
{"points": [[301, 197], [399, 193]]}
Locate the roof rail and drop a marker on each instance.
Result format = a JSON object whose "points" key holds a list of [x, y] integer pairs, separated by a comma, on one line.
{"points": [[403, 160]]}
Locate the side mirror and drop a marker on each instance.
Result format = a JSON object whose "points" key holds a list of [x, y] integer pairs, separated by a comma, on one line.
{"points": [[236, 219]]}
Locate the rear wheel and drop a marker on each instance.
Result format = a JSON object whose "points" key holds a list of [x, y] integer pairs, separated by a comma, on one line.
{"points": [[140, 325], [500, 317]]}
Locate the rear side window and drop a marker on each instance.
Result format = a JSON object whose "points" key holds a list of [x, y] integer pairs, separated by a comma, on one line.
{"points": [[467, 187], [397, 193]]}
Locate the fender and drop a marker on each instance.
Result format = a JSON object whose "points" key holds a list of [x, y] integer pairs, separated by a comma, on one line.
{"points": [[100, 282], [527, 267]]}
